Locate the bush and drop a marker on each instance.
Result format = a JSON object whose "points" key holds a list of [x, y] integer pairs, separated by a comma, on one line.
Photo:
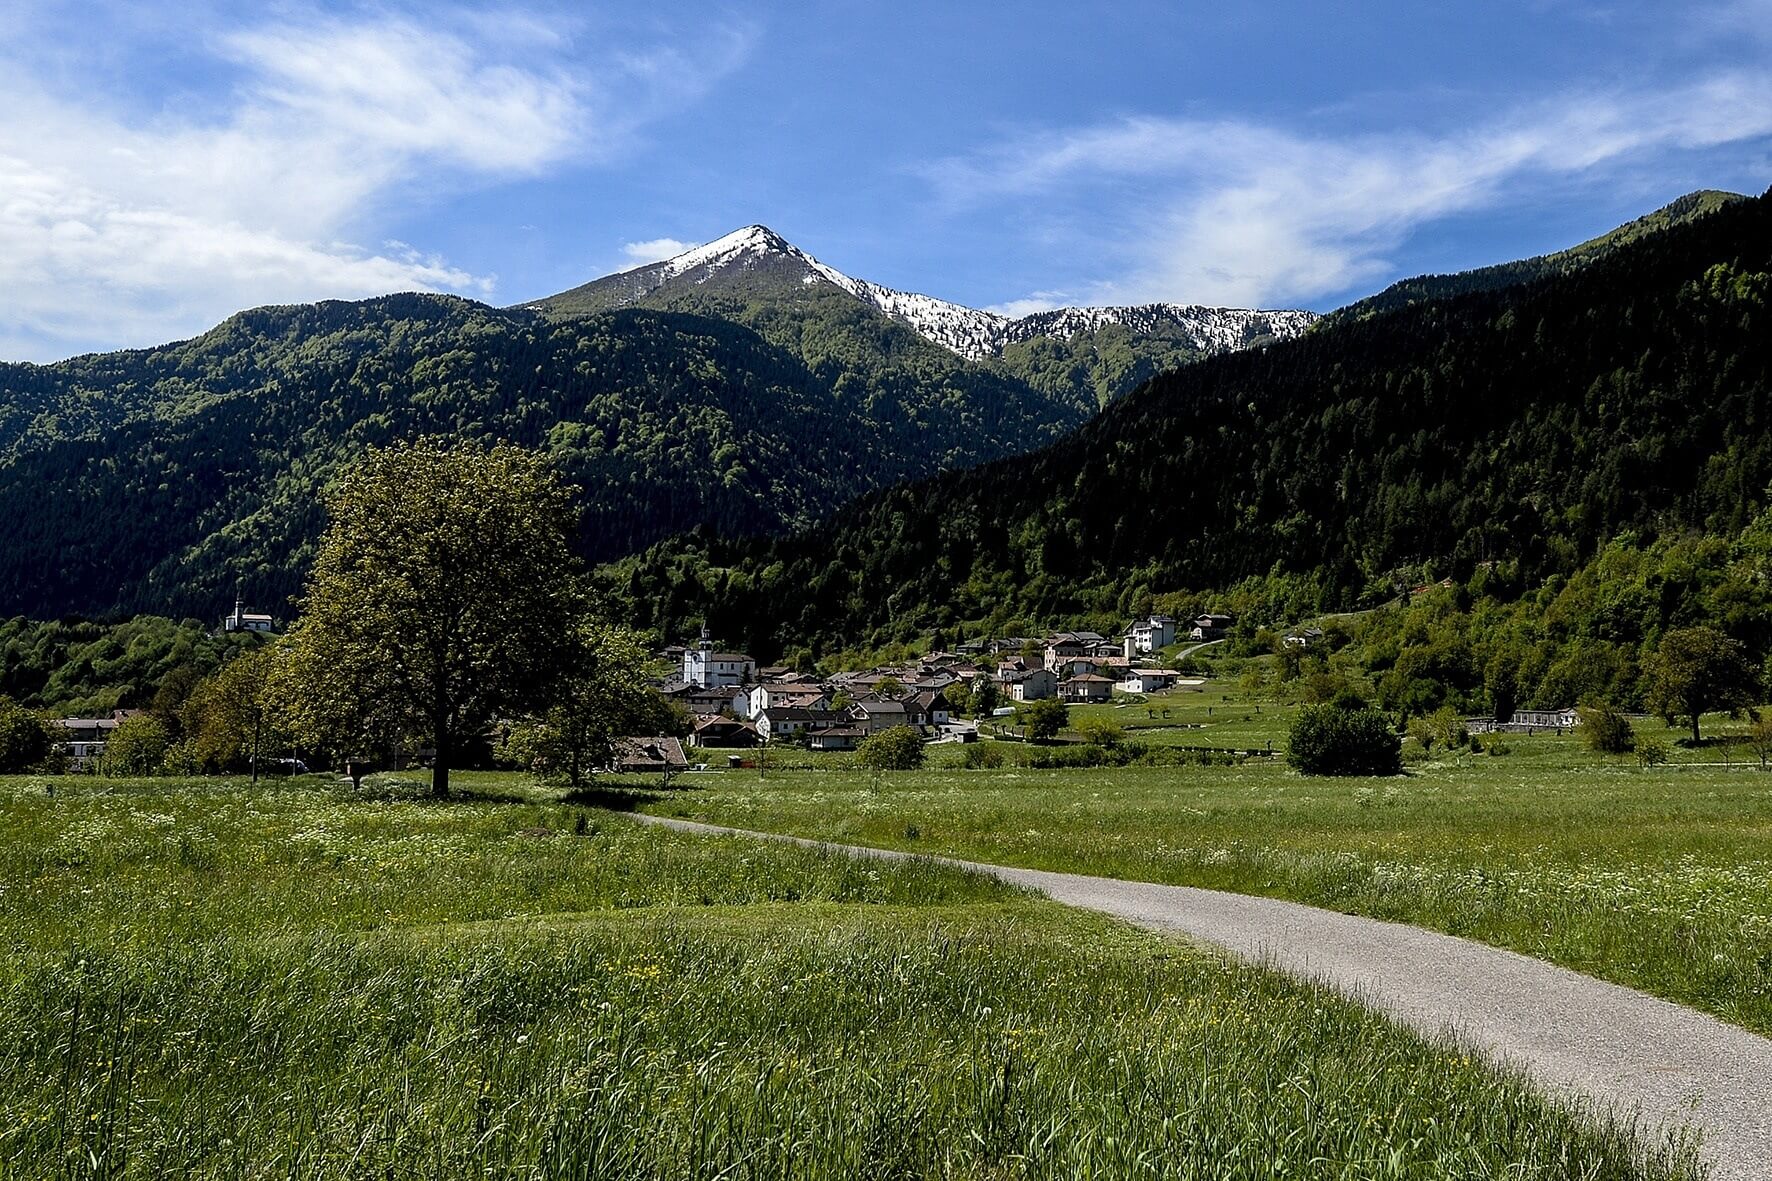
{"points": [[1101, 732], [979, 756], [25, 739], [1087, 755], [897, 749], [1606, 730], [1326, 740], [1651, 752]]}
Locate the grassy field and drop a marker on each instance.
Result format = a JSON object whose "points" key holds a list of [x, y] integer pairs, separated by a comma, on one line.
{"points": [[207, 980], [1660, 879]]}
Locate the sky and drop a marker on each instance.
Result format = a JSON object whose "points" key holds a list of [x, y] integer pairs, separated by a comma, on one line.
{"points": [[163, 165]]}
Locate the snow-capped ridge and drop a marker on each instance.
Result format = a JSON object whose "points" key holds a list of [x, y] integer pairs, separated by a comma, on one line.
{"points": [[970, 332]]}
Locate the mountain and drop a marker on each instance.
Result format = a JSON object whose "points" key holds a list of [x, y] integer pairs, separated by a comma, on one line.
{"points": [[1424, 287], [1519, 428], [732, 275], [163, 479]]}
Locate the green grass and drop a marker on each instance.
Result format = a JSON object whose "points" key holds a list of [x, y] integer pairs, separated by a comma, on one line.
{"points": [[207, 980], [1657, 879]]}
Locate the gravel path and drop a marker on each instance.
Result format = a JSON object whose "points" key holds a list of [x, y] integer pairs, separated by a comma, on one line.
{"points": [[1617, 1047]]}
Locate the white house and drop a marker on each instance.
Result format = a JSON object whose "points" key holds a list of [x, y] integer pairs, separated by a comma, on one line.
{"points": [[1304, 637], [798, 694], [1150, 635], [707, 669], [1148, 680], [786, 721]]}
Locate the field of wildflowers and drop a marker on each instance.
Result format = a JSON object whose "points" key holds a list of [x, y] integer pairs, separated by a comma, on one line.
{"points": [[208, 980]]}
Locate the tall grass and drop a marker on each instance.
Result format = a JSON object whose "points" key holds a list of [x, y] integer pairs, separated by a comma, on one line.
{"points": [[291, 984]]}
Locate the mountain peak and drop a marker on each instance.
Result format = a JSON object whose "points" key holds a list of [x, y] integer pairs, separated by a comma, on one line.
{"points": [[756, 259]]}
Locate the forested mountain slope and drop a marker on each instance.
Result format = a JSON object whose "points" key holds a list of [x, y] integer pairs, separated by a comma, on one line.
{"points": [[1525, 425], [160, 479], [1507, 274]]}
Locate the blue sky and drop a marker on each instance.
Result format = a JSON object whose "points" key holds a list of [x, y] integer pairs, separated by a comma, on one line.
{"points": [[163, 165]]}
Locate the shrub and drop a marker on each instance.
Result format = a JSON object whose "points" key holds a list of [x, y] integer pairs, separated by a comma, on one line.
{"points": [[1101, 732], [1606, 730], [1651, 752], [136, 747], [25, 739], [979, 756], [1087, 755], [897, 749], [1326, 740]]}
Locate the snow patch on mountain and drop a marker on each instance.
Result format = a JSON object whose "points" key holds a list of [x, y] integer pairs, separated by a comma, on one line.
{"points": [[970, 332]]}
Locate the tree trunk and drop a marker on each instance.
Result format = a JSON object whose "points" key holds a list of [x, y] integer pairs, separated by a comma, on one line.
{"points": [[1695, 727], [440, 767]]}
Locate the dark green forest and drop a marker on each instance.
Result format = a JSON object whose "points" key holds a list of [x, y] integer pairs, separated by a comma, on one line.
{"points": [[1509, 274], [1521, 429], [162, 479]]}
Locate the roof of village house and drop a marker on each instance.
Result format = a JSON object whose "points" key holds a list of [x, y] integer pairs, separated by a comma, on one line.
{"points": [[649, 752], [715, 722], [795, 713], [1089, 677], [838, 732], [1153, 672]]}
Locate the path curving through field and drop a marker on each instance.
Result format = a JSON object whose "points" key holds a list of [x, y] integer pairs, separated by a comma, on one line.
{"points": [[1614, 1046]]}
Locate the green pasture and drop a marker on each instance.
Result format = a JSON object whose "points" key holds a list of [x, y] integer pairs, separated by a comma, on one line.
{"points": [[1657, 878], [203, 979]]}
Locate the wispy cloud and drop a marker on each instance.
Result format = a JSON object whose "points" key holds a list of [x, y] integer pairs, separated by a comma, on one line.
{"points": [[1236, 212], [122, 226], [653, 250]]}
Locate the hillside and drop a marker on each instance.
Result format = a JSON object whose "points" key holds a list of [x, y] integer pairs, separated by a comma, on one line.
{"points": [[160, 479], [1523, 426], [1425, 287]]}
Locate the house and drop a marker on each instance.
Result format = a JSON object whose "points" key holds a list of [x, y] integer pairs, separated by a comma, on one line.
{"points": [[83, 739], [1148, 680], [1087, 687], [1032, 685], [706, 668], [1062, 646], [723, 734], [243, 620], [929, 708], [1546, 719], [707, 702], [876, 714], [648, 755], [1148, 635], [795, 694], [1304, 637], [1212, 626], [835, 737], [773, 725]]}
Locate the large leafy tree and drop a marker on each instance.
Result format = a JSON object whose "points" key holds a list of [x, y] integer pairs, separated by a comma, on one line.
{"points": [[1696, 670], [445, 587], [230, 718]]}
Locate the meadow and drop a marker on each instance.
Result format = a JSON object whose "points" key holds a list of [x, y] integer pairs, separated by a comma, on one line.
{"points": [[1657, 878], [205, 979]]}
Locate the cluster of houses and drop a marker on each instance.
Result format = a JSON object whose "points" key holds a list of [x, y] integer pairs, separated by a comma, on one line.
{"points": [[735, 703]]}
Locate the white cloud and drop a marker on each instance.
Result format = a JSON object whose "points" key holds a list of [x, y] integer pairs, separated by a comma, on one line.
{"points": [[119, 227], [1234, 212], [653, 250], [1039, 301]]}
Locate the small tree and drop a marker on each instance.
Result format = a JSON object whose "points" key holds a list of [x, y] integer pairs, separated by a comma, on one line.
{"points": [[1759, 739], [1651, 752], [1696, 670], [889, 687], [1101, 732], [1044, 718], [1604, 729], [986, 697], [1328, 740], [229, 719], [136, 747], [25, 739], [603, 695], [899, 748]]}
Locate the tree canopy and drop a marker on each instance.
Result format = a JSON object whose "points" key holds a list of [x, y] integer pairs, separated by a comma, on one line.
{"points": [[445, 586]]}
